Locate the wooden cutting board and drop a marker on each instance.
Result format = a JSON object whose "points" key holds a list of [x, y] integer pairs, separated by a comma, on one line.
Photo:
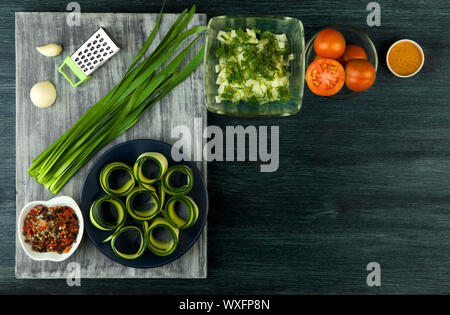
{"points": [[37, 128]]}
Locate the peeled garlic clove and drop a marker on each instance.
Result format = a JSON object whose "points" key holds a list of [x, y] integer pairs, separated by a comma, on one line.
{"points": [[43, 94], [50, 50]]}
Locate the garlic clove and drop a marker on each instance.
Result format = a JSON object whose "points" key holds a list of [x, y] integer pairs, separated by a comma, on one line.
{"points": [[43, 94], [50, 50]]}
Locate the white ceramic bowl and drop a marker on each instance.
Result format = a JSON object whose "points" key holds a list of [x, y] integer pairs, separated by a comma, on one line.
{"points": [[418, 47], [51, 256]]}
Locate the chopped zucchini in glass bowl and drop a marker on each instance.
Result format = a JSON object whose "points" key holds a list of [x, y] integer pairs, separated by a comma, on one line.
{"points": [[254, 66]]}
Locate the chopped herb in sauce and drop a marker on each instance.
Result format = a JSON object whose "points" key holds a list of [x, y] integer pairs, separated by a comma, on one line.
{"points": [[253, 66]]}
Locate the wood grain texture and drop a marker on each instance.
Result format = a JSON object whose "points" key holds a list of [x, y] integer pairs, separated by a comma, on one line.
{"points": [[36, 129], [360, 180]]}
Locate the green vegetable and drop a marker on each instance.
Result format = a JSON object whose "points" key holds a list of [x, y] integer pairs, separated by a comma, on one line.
{"points": [[253, 66], [171, 214], [142, 243], [158, 246], [182, 170], [161, 194], [147, 204], [99, 222], [141, 87], [145, 212], [105, 181], [149, 157]]}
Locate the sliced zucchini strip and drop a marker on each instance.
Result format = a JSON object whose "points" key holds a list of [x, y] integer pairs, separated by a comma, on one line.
{"points": [[182, 189], [97, 220], [174, 218], [162, 194], [142, 245], [160, 191], [158, 246], [147, 212], [105, 175], [139, 167]]}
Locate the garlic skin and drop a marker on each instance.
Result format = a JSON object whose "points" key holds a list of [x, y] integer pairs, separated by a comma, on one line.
{"points": [[50, 50], [43, 94]]}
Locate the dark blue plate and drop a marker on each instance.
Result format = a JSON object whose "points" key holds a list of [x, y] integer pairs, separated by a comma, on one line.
{"points": [[128, 152]]}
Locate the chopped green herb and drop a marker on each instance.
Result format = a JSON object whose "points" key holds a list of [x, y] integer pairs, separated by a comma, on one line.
{"points": [[253, 66]]}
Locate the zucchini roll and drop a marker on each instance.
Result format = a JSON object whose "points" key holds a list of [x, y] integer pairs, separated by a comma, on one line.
{"points": [[108, 213], [162, 238], [178, 180], [124, 242], [117, 179], [181, 211], [150, 167], [143, 203]]}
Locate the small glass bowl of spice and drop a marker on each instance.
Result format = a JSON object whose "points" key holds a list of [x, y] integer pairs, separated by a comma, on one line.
{"points": [[405, 58]]}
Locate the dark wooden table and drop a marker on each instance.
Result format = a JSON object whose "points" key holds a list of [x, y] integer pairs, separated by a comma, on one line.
{"points": [[362, 180]]}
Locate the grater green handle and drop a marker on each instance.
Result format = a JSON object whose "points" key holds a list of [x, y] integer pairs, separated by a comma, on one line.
{"points": [[75, 69]]}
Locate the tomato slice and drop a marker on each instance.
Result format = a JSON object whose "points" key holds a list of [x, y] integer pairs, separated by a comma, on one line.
{"points": [[325, 77]]}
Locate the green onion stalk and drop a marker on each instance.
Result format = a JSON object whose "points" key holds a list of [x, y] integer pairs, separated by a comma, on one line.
{"points": [[144, 83]]}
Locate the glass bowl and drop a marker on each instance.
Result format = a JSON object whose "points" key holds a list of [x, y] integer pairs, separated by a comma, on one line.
{"points": [[293, 29], [353, 36]]}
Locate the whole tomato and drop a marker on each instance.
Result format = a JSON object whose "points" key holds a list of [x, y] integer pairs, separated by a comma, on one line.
{"points": [[352, 52], [359, 75], [329, 43]]}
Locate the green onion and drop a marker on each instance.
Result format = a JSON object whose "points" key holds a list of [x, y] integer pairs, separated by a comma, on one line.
{"points": [[141, 87]]}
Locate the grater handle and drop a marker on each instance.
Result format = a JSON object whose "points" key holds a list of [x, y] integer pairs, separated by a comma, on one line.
{"points": [[73, 66]]}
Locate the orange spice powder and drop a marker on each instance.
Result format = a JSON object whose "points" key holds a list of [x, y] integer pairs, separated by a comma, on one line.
{"points": [[405, 58]]}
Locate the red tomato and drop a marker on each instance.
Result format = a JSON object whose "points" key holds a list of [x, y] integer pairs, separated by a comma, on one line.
{"points": [[325, 77], [360, 75], [317, 57], [352, 52], [329, 43]]}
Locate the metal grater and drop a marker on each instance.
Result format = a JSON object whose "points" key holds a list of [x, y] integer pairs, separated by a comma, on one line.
{"points": [[90, 56]]}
